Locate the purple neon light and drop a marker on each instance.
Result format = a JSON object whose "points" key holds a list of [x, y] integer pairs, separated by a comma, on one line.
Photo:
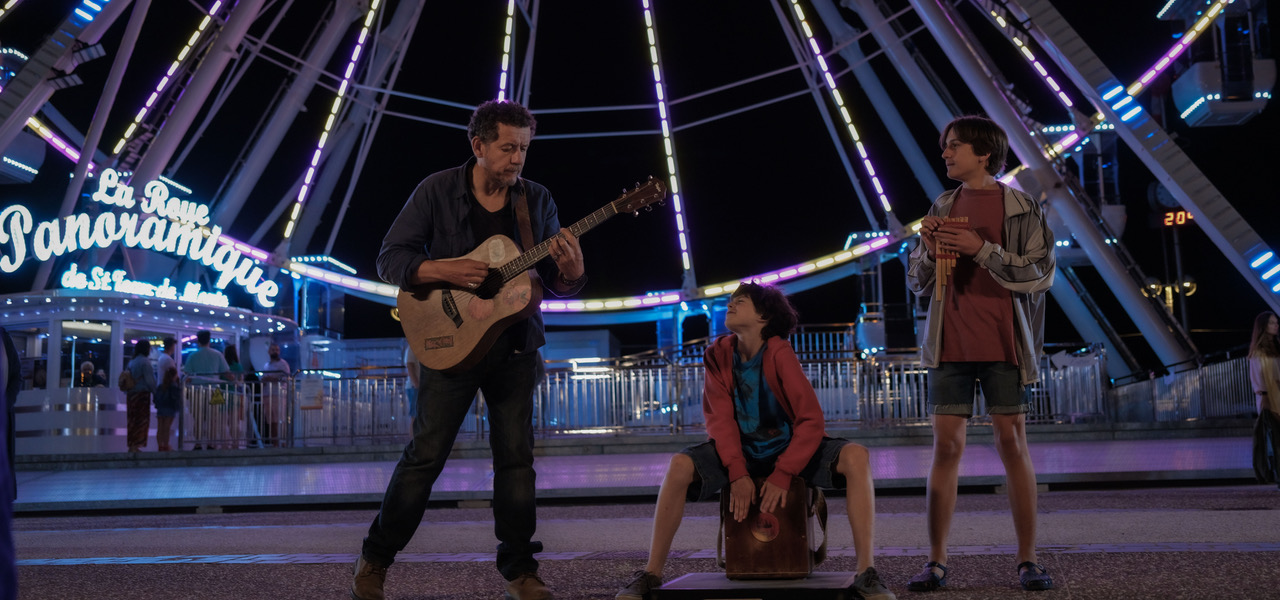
{"points": [[1188, 37], [164, 81], [1161, 64], [333, 114], [660, 90], [844, 111], [506, 50]]}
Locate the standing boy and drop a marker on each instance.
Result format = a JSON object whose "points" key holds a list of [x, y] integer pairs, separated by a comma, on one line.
{"points": [[987, 326]]}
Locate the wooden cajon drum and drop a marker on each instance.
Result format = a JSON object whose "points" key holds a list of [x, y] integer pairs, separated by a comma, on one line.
{"points": [[777, 545]]}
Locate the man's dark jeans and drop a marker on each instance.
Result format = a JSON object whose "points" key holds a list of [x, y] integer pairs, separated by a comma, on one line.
{"points": [[507, 380]]}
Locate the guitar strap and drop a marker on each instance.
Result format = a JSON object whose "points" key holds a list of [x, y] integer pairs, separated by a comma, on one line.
{"points": [[522, 216], [526, 230]]}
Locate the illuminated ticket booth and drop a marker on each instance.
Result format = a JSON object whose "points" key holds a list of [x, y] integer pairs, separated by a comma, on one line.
{"points": [[73, 341], [57, 332]]}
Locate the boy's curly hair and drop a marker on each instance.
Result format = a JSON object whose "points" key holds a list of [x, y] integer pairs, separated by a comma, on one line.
{"points": [[773, 306]]}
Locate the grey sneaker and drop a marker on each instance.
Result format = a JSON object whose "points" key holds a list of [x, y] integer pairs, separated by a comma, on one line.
{"points": [[869, 586], [368, 581], [528, 587], [642, 583]]}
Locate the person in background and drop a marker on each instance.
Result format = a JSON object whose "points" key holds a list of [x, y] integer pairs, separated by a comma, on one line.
{"points": [[1264, 362], [138, 399], [413, 369], [252, 390], [168, 398], [206, 367], [275, 387], [11, 380], [232, 357], [237, 406], [84, 377], [168, 403], [1264, 375]]}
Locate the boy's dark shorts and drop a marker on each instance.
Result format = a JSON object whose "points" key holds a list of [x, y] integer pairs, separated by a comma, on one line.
{"points": [[712, 476], [951, 388]]}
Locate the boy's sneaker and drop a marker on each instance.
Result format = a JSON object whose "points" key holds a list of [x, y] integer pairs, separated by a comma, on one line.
{"points": [[869, 586], [642, 583]]}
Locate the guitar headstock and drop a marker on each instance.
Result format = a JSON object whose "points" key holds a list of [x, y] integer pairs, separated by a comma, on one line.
{"points": [[642, 196]]}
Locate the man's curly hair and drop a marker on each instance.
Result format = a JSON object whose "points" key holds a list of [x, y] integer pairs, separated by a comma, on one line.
{"points": [[485, 120], [773, 306]]}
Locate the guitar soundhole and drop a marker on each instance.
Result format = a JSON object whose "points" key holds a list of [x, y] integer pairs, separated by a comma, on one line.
{"points": [[490, 287]]}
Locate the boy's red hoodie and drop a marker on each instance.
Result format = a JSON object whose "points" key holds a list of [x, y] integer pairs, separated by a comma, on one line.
{"points": [[787, 381]]}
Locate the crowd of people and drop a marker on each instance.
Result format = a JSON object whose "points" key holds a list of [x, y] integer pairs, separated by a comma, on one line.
{"points": [[152, 378]]}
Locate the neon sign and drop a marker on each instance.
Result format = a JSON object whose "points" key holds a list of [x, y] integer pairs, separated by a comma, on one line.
{"points": [[175, 226], [118, 281]]}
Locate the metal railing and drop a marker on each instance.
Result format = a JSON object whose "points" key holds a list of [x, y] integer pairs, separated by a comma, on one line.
{"points": [[1215, 390], [661, 391], [308, 408]]}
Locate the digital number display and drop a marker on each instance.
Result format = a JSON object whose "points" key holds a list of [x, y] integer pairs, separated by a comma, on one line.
{"points": [[1176, 217]]}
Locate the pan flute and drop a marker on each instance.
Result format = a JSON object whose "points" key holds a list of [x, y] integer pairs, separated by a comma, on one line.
{"points": [[946, 261]]}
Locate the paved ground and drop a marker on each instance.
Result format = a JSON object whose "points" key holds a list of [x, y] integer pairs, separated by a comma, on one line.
{"points": [[1190, 542]]}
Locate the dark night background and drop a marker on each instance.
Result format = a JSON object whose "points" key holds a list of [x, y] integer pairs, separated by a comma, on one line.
{"points": [[762, 189]]}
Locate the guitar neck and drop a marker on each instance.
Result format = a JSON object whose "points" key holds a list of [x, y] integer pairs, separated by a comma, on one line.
{"points": [[526, 260]]}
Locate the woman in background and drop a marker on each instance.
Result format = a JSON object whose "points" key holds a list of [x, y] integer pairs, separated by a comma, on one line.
{"points": [[138, 399], [233, 362], [1264, 362], [1264, 375]]}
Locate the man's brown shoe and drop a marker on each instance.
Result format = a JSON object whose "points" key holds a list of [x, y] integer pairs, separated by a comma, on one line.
{"points": [[368, 580], [528, 587]]}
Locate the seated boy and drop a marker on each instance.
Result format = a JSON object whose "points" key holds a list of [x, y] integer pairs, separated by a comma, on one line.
{"points": [[763, 419]]}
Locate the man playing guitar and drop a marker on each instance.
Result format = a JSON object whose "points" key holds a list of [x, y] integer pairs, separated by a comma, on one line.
{"points": [[448, 215]]}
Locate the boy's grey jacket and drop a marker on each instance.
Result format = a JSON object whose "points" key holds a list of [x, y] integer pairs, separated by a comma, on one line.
{"points": [[1024, 266]]}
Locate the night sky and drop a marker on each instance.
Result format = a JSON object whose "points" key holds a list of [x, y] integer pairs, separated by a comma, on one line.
{"points": [[763, 188]]}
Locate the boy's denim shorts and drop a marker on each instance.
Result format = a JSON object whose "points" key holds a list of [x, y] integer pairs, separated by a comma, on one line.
{"points": [[951, 388], [712, 476]]}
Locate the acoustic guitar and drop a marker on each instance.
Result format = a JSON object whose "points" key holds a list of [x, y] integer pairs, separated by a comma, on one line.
{"points": [[450, 328]]}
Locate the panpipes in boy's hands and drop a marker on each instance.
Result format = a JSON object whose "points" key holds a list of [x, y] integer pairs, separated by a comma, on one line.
{"points": [[946, 261]]}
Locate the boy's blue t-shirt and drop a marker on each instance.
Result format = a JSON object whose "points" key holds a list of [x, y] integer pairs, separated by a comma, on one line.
{"points": [[764, 426]]}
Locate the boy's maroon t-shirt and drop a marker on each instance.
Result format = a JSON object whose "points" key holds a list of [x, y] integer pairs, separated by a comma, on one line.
{"points": [[977, 313]]}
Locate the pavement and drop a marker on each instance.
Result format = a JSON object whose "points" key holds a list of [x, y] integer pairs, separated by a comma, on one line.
{"points": [[1158, 517], [1153, 541]]}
